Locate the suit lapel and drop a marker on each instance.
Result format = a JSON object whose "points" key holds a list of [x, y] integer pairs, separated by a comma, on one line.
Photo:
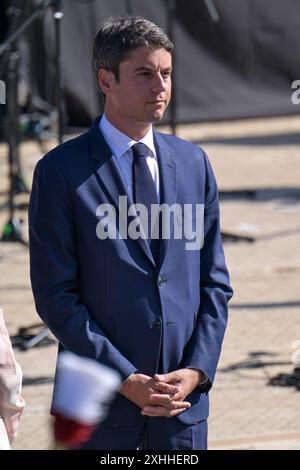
{"points": [[109, 177], [168, 183], [107, 170]]}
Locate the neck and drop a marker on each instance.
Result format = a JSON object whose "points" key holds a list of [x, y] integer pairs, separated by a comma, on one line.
{"points": [[135, 131]]}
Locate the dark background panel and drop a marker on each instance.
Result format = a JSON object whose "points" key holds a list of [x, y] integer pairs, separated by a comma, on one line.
{"points": [[240, 67]]}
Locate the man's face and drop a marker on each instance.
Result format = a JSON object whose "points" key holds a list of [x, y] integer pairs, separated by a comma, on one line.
{"points": [[143, 91]]}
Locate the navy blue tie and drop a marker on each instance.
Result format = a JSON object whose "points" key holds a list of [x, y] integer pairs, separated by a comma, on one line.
{"points": [[144, 190]]}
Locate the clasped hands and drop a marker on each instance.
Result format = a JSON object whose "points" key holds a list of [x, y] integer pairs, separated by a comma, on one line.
{"points": [[162, 395]]}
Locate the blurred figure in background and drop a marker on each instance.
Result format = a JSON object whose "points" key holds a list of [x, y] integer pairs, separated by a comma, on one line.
{"points": [[11, 401]]}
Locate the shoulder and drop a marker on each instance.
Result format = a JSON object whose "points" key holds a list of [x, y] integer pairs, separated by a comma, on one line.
{"points": [[191, 159], [68, 152], [68, 161], [180, 146], [184, 152]]}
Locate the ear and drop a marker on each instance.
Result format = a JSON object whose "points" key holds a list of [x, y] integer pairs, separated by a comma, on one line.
{"points": [[104, 80]]}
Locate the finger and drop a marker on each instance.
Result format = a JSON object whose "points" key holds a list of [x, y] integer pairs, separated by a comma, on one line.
{"points": [[155, 411], [160, 411], [161, 377], [171, 377], [166, 388], [176, 405], [174, 413], [179, 396], [175, 392], [167, 401], [179, 405], [159, 399]]}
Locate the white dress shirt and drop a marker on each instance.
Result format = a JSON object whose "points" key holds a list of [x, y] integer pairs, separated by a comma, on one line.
{"points": [[120, 145]]}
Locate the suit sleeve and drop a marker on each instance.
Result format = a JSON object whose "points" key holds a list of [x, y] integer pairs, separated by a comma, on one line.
{"points": [[204, 348], [54, 273]]}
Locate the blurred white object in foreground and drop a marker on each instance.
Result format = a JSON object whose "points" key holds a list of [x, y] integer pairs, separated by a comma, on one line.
{"points": [[11, 401], [83, 392]]}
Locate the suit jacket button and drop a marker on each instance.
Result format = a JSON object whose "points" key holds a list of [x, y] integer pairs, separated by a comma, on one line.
{"points": [[156, 325]]}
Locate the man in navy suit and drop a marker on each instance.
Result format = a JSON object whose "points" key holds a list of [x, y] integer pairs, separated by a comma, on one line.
{"points": [[142, 292]]}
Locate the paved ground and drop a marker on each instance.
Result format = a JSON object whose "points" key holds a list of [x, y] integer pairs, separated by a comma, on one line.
{"points": [[246, 413]]}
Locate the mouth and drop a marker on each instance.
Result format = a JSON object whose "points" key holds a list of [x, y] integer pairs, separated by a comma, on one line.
{"points": [[157, 102]]}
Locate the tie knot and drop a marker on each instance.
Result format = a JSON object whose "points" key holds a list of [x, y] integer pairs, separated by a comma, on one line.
{"points": [[140, 150]]}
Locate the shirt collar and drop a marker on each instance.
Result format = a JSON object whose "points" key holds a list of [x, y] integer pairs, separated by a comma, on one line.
{"points": [[120, 143]]}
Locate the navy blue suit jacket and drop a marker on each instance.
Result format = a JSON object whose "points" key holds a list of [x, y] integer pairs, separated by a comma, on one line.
{"points": [[106, 299]]}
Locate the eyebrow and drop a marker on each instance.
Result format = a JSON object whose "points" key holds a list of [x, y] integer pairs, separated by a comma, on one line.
{"points": [[148, 68]]}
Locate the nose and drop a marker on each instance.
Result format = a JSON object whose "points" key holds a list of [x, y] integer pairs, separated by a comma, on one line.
{"points": [[159, 84]]}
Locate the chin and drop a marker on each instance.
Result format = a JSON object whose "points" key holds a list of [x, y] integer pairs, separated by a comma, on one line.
{"points": [[157, 116]]}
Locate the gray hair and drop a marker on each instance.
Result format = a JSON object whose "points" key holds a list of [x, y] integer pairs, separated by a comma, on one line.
{"points": [[119, 35]]}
